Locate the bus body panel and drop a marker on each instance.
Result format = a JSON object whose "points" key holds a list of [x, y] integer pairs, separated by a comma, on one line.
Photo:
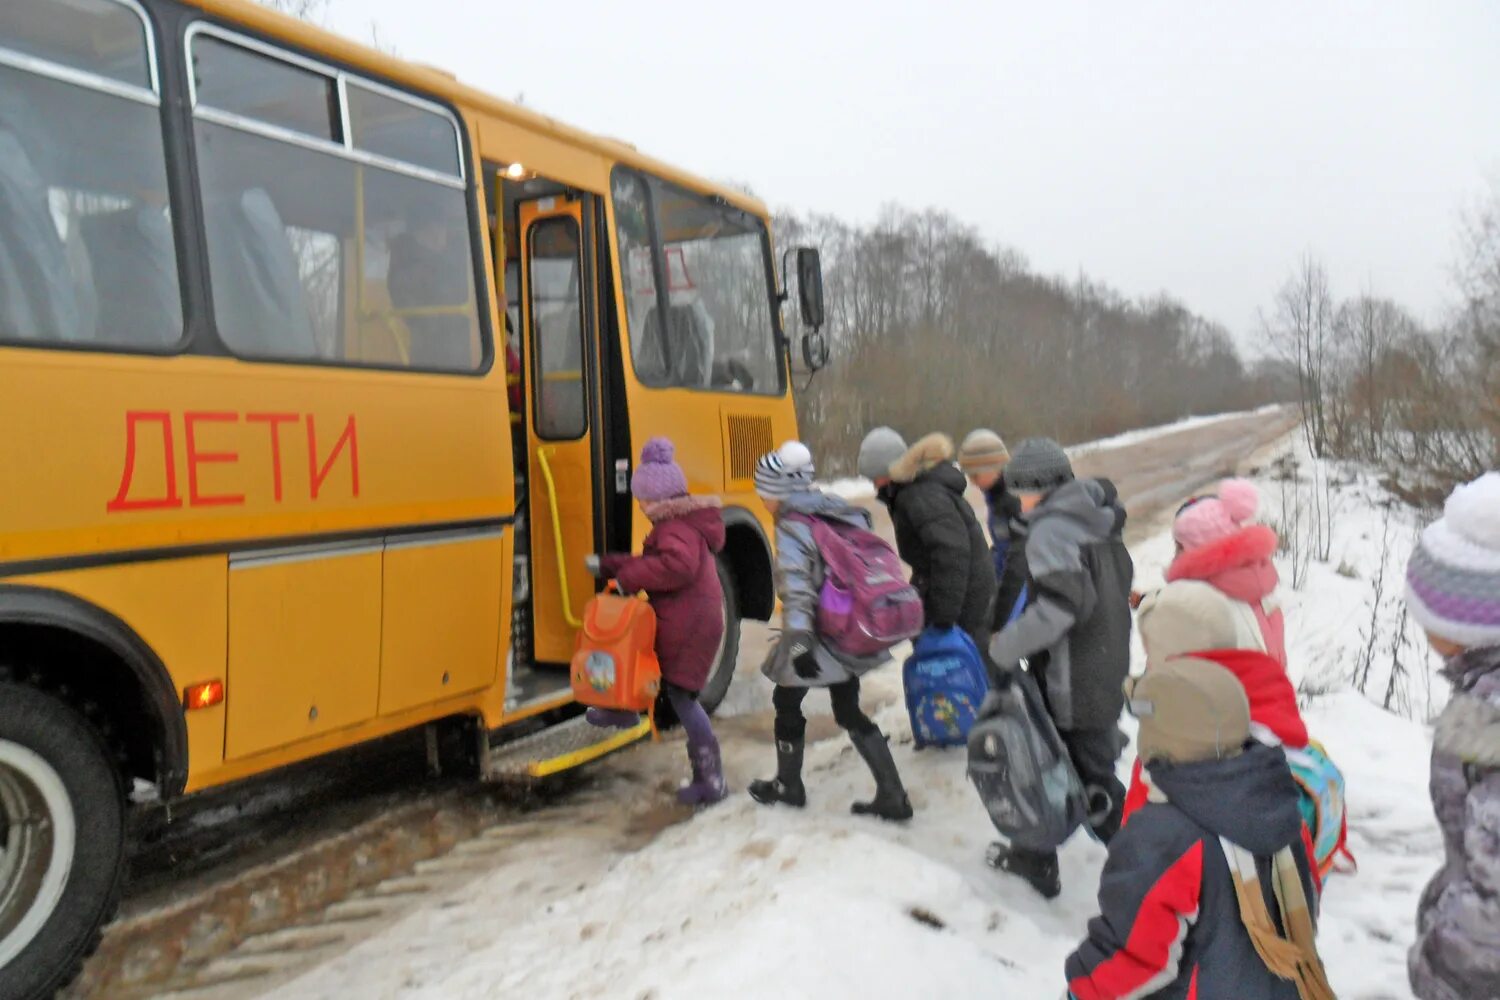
{"points": [[203, 500]]}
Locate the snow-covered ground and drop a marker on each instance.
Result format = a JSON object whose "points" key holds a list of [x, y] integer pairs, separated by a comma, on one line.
{"points": [[745, 901]]}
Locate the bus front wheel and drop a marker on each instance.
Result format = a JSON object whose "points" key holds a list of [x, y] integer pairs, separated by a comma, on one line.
{"points": [[729, 650], [62, 834]]}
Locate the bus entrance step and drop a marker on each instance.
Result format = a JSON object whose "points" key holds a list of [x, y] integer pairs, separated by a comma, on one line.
{"points": [[558, 748]]}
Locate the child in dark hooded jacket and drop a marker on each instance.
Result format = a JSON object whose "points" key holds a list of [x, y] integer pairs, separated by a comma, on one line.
{"points": [[1220, 839], [937, 532], [678, 571]]}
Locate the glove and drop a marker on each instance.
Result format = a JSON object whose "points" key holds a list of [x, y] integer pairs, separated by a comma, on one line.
{"points": [[797, 650], [591, 563]]}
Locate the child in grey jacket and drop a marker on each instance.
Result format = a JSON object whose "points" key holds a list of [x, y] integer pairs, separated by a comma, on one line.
{"points": [[1453, 590], [800, 661]]}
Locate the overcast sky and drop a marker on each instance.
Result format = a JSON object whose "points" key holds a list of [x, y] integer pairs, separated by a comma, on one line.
{"points": [[1196, 148]]}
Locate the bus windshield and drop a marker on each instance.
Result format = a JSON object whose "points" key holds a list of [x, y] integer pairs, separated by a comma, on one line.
{"points": [[714, 259]]}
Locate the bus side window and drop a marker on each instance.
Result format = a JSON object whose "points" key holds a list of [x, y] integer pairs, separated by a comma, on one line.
{"points": [[87, 252], [347, 248]]}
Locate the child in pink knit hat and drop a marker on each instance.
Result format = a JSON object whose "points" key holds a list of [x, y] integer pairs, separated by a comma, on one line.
{"points": [[1220, 546]]}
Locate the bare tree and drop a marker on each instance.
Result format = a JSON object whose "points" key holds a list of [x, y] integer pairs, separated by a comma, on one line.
{"points": [[308, 10], [1301, 329]]}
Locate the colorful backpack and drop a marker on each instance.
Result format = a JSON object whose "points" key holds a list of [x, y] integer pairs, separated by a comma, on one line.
{"points": [[614, 660], [865, 606], [1321, 785], [1021, 769], [945, 683]]}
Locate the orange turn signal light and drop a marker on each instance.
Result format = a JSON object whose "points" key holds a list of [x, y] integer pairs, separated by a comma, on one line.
{"points": [[205, 695]]}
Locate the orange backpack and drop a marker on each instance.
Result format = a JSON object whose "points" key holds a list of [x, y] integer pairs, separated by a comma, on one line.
{"points": [[614, 661]]}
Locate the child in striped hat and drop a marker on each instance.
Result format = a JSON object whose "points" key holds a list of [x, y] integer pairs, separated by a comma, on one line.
{"points": [[1453, 591], [800, 660]]}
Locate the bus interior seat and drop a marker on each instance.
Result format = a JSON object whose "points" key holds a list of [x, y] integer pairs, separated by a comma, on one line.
{"points": [[260, 303], [134, 263], [41, 294], [691, 341], [682, 354]]}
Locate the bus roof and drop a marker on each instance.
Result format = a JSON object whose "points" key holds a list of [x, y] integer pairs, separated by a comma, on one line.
{"points": [[445, 84]]}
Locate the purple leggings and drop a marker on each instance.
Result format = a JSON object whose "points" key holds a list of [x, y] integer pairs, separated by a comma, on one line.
{"points": [[694, 720]]}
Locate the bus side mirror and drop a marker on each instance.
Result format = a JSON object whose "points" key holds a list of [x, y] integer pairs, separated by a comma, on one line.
{"points": [[810, 287], [815, 351]]}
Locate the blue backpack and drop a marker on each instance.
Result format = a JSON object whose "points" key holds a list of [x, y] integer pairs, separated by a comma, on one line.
{"points": [[945, 683]]}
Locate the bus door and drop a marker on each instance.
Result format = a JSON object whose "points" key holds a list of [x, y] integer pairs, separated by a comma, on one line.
{"points": [[558, 319]]}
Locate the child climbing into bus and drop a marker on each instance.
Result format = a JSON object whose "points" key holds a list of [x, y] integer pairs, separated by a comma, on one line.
{"points": [[801, 660], [1074, 633], [982, 457], [1453, 591], [678, 572]]}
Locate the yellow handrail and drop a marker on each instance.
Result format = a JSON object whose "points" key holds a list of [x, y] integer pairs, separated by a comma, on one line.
{"points": [[557, 540]]}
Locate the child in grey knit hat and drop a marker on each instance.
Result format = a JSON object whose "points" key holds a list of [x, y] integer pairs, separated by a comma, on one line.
{"points": [[1453, 591]]}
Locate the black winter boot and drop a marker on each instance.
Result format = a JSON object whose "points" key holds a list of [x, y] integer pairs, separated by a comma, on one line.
{"points": [[786, 787], [890, 800], [1038, 868]]}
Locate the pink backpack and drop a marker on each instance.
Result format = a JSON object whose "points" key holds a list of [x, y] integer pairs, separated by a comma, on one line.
{"points": [[866, 606]]}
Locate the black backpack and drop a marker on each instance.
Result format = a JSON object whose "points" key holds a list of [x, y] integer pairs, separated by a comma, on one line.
{"points": [[1022, 770]]}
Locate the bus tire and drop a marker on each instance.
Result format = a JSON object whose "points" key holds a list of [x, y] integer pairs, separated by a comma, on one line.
{"points": [[723, 672], [59, 878]]}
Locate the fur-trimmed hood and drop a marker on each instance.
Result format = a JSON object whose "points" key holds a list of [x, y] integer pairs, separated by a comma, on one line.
{"points": [[927, 454], [701, 514], [667, 510], [1239, 565]]}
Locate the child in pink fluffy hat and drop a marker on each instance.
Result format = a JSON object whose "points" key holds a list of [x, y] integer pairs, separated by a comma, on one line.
{"points": [[1220, 546]]}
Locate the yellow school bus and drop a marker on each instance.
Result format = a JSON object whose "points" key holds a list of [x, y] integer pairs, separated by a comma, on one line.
{"points": [[320, 375]]}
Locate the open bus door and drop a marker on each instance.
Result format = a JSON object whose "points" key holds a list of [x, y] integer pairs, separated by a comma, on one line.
{"points": [[564, 489], [558, 331]]}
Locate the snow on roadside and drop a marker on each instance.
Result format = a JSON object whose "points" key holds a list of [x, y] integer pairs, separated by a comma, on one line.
{"points": [[752, 902], [1149, 433], [858, 488]]}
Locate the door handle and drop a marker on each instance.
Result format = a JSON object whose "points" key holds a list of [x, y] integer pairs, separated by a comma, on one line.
{"points": [[557, 539], [622, 476]]}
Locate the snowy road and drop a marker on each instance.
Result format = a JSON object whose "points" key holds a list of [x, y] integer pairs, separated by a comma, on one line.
{"points": [[566, 900]]}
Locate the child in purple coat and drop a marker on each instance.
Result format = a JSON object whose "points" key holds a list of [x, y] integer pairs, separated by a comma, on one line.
{"points": [[678, 571]]}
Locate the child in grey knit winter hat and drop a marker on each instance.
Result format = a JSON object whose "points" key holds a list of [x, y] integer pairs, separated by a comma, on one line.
{"points": [[1453, 591]]}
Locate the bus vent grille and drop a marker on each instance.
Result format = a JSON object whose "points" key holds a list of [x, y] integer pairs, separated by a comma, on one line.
{"points": [[749, 438]]}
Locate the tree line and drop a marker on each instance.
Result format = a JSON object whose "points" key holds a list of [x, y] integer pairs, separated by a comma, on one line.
{"points": [[933, 328], [1420, 401]]}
